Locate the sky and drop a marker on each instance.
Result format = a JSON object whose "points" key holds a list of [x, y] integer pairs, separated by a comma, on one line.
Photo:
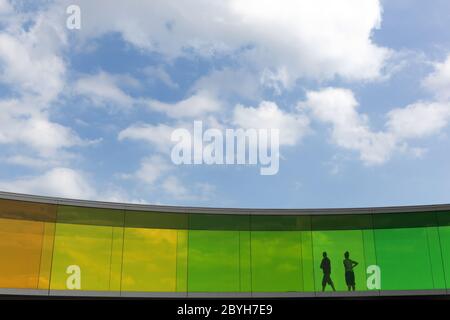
{"points": [[359, 89]]}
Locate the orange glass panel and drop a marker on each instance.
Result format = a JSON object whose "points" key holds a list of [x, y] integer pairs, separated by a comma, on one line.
{"points": [[20, 253]]}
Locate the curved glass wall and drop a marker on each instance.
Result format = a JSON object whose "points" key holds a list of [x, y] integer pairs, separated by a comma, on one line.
{"points": [[66, 249]]}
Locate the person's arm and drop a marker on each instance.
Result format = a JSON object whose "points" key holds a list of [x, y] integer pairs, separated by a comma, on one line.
{"points": [[354, 263]]}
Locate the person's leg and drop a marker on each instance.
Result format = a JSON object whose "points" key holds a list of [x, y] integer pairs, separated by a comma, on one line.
{"points": [[353, 280], [347, 281], [324, 282], [332, 284]]}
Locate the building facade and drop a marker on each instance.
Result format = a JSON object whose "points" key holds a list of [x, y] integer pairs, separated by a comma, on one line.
{"points": [[51, 246]]}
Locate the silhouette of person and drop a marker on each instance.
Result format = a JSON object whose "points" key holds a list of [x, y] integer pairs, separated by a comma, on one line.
{"points": [[349, 274], [325, 265]]}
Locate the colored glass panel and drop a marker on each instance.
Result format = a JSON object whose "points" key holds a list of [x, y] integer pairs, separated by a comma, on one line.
{"points": [[213, 261], [276, 261], [337, 235], [150, 260], [20, 253], [82, 258], [87, 249]]}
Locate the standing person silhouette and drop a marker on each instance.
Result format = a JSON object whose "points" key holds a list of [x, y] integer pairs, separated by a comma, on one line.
{"points": [[349, 274], [325, 265]]}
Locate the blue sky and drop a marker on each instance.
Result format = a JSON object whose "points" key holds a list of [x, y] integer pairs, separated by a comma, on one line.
{"points": [[360, 91]]}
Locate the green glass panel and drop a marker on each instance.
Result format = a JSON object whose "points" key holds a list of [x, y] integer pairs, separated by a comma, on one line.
{"points": [[156, 220], [407, 248], [336, 235], [307, 261], [280, 223], [276, 261], [182, 254], [213, 261], [370, 256], [335, 244], [444, 240], [437, 265], [218, 222], [444, 235], [404, 258], [245, 261]]}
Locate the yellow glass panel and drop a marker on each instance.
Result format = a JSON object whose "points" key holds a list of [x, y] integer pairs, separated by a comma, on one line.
{"points": [[20, 253], [150, 260], [46, 256], [116, 258], [85, 252]]}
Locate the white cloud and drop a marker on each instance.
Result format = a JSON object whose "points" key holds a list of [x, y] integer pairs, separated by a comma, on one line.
{"points": [[103, 89], [439, 81], [197, 105], [66, 183], [228, 82], [58, 182], [175, 189], [158, 73], [25, 161], [267, 115], [20, 124], [318, 39], [419, 119], [349, 129], [5, 7], [157, 135], [30, 61], [152, 168], [32, 67], [157, 173]]}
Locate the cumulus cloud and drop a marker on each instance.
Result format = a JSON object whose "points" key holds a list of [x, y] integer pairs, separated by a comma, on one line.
{"points": [[351, 130], [175, 188], [157, 135], [103, 89], [30, 61], [160, 74], [419, 119], [5, 7], [158, 173], [230, 82], [268, 115], [320, 39], [27, 161], [32, 67], [65, 182], [20, 124], [438, 82], [197, 105], [59, 182], [152, 168]]}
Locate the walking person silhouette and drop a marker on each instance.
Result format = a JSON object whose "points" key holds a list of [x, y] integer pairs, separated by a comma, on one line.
{"points": [[325, 265], [349, 274]]}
